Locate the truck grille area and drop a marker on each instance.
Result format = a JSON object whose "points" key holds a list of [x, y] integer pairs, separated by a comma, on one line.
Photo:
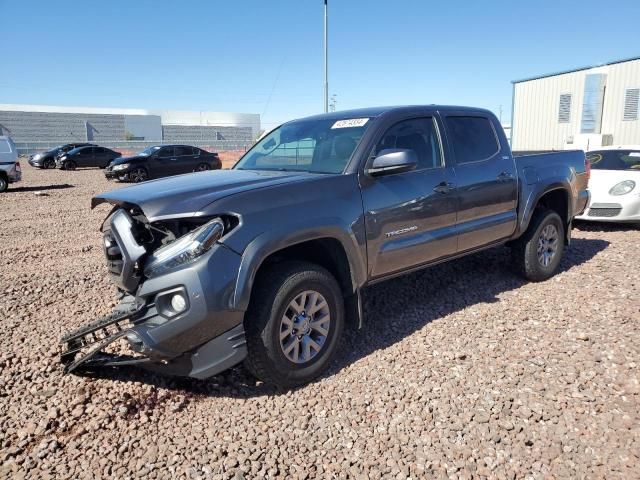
{"points": [[605, 210], [122, 251], [113, 254]]}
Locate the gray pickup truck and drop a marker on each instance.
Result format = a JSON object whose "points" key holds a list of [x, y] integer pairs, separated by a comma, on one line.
{"points": [[265, 262]]}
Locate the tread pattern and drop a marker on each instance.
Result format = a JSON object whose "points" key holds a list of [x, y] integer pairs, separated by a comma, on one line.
{"points": [[266, 290]]}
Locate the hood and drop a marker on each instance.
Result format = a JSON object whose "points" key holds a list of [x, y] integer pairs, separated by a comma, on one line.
{"points": [[186, 195], [602, 181], [119, 160]]}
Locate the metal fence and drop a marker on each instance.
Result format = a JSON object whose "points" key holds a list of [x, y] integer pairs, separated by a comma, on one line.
{"points": [[132, 146]]}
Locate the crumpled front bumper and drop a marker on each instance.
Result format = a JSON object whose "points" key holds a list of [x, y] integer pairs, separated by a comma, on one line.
{"points": [[204, 339]]}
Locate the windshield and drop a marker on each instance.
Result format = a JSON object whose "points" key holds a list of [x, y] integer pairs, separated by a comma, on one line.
{"points": [[615, 159], [148, 151], [318, 146]]}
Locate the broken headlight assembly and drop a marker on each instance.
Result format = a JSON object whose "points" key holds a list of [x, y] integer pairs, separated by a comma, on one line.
{"points": [[184, 249]]}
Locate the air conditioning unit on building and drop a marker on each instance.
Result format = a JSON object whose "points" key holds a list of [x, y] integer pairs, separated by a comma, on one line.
{"points": [[588, 141]]}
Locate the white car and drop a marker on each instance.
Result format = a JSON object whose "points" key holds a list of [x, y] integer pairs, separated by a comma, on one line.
{"points": [[614, 185]]}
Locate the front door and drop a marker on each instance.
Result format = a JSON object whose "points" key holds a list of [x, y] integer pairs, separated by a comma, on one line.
{"points": [[487, 180], [165, 163], [85, 157], [410, 217]]}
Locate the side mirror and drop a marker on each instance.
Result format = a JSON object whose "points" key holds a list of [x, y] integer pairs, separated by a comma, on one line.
{"points": [[393, 160]]}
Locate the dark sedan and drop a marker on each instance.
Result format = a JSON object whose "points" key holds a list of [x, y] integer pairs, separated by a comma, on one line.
{"points": [[48, 159], [87, 157], [162, 161]]}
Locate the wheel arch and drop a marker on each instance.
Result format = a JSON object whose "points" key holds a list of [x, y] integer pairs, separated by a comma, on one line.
{"points": [[555, 197], [329, 250]]}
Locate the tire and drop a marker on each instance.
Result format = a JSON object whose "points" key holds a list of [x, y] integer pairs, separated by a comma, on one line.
{"points": [[138, 175], [271, 356], [4, 184], [538, 252], [49, 163], [203, 167], [69, 165]]}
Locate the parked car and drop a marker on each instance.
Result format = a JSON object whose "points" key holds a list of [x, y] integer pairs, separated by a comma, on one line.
{"points": [[89, 156], [10, 171], [162, 161], [48, 159], [264, 263], [614, 185]]}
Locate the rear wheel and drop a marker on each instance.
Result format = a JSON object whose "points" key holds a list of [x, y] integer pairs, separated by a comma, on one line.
{"points": [[538, 252], [294, 324], [203, 167], [69, 165], [138, 175], [4, 184]]}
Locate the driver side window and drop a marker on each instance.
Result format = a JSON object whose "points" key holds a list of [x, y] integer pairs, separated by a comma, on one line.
{"points": [[417, 134], [165, 152]]}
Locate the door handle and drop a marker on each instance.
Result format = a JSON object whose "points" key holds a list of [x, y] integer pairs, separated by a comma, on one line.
{"points": [[444, 187], [504, 176]]}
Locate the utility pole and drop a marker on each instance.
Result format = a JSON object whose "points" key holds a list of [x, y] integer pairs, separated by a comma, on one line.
{"points": [[326, 58]]}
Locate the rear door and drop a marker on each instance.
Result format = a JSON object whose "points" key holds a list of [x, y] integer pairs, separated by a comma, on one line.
{"points": [[186, 159], [486, 179], [410, 217], [101, 156]]}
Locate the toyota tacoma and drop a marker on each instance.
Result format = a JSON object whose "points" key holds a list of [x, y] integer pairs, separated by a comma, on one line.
{"points": [[265, 262]]}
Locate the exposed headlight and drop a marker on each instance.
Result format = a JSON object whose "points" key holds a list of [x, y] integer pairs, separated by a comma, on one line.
{"points": [[623, 187], [122, 166], [37, 156], [62, 157], [184, 249]]}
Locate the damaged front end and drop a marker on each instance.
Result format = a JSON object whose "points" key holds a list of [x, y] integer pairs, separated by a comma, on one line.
{"points": [[175, 311]]}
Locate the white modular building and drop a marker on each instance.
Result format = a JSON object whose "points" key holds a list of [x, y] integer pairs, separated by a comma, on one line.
{"points": [[584, 108]]}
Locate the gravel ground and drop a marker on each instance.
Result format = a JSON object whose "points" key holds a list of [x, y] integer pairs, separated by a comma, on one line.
{"points": [[462, 371]]}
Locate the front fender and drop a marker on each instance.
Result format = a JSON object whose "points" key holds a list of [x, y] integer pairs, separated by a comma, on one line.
{"points": [[277, 239]]}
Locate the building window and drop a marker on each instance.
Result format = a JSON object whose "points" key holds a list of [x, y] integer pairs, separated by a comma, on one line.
{"points": [[592, 102], [564, 111], [631, 97]]}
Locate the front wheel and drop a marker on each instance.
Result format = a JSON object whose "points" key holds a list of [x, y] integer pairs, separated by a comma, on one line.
{"points": [[294, 324], [139, 175], [49, 163], [538, 252], [69, 165], [203, 167]]}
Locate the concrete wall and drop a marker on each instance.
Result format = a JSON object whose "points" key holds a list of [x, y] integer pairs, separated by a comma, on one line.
{"points": [[41, 123], [536, 107]]}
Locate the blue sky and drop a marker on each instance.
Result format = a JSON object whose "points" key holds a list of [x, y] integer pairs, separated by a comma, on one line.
{"points": [[265, 57]]}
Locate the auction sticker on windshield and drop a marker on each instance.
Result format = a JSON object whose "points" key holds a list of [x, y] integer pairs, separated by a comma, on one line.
{"points": [[351, 122]]}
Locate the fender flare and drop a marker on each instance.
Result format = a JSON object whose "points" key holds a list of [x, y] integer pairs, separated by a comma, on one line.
{"points": [[533, 199], [261, 247]]}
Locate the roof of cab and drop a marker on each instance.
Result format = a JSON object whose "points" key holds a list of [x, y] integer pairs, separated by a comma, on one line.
{"points": [[373, 112]]}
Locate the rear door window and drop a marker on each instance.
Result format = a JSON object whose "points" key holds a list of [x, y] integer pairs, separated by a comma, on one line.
{"points": [[473, 138], [184, 151]]}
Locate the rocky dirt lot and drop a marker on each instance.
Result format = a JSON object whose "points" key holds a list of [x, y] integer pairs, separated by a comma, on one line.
{"points": [[463, 371]]}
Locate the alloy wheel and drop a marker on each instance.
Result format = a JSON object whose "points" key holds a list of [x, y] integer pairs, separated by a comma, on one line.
{"points": [[138, 175], [304, 327], [547, 245]]}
